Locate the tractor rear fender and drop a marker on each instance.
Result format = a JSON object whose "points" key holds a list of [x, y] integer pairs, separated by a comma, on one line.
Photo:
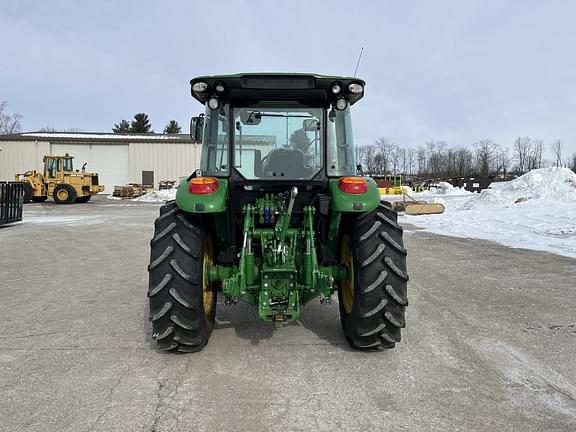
{"points": [[202, 203], [355, 203]]}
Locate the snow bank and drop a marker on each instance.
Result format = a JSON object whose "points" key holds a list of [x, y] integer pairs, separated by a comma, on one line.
{"points": [[158, 196], [545, 184], [535, 211], [444, 188]]}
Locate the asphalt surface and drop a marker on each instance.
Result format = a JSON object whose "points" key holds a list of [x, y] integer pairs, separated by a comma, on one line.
{"points": [[490, 343]]}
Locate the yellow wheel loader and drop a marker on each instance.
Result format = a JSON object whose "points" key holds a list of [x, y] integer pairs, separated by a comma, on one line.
{"points": [[60, 181]]}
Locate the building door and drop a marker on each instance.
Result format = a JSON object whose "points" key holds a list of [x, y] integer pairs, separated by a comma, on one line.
{"points": [[110, 161]]}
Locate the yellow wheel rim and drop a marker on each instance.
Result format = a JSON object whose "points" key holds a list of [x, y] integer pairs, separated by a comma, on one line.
{"points": [[62, 194], [207, 289], [347, 286]]}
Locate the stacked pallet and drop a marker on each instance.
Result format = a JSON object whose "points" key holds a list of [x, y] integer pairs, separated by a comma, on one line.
{"points": [[166, 184], [132, 190]]}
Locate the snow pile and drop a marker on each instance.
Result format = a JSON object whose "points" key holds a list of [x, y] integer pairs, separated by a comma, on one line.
{"points": [[157, 196], [444, 188], [545, 184], [535, 211]]}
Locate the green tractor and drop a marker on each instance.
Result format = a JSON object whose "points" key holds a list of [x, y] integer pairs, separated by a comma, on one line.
{"points": [[278, 215]]}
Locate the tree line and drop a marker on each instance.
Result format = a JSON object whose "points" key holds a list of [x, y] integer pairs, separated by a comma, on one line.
{"points": [[385, 157], [141, 124], [10, 123], [436, 159]]}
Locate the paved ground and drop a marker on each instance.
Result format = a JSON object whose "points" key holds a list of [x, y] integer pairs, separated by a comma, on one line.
{"points": [[490, 343]]}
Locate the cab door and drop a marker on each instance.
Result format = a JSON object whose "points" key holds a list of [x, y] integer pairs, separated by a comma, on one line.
{"points": [[52, 174]]}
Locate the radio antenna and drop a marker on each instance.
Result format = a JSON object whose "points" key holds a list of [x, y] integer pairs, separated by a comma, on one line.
{"points": [[358, 62]]}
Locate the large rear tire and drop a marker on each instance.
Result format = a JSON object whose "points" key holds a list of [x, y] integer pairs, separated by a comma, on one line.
{"points": [[182, 302], [373, 300]]}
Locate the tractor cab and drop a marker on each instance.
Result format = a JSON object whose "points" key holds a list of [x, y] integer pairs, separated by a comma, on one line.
{"points": [[271, 132], [276, 127]]}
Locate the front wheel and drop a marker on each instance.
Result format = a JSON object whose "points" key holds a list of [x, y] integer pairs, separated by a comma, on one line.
{"points": [[64, 194], [182, 300], [374, 297]]}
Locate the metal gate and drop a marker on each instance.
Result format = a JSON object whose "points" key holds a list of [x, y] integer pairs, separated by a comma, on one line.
{"points": [[11, 201]]}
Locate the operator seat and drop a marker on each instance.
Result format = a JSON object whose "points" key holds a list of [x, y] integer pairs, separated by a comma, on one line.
{"points": [[285, 162]]}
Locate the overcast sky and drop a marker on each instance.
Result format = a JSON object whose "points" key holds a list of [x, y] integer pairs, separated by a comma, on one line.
{"points": [[458, 71]]}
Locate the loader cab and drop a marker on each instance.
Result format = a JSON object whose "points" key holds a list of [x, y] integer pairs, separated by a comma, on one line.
{"points": [[55, 166], [276, 128]]}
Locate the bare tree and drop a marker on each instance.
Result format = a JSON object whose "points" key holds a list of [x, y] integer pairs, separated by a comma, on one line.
{"points": [[536, 152], [412, 153], [385, 149], [463, 162], [422, 161], [366, 156], [484, 150], [557, 150], [522, 149], [436, 157], [502, 162], [9, 123], [402, 160], [395, 159]]}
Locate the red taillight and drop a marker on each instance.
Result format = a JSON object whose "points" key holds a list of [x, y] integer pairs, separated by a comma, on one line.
{"points": [[203, 185], [353, 185]]}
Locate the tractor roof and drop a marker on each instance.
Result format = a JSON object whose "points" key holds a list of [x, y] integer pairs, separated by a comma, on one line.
{"points": [[249, 88]]}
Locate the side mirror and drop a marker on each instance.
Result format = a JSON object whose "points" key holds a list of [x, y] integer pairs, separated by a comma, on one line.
{"points": [[311, 125], [197, 128], [250, 117]]}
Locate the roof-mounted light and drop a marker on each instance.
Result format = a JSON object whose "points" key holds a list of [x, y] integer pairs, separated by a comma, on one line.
{"points": [[200, 86], [341, 104], [336, 88], [355, 88], [213, 103]]}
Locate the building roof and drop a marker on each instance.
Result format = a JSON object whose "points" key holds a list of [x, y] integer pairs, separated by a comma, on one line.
{"points": [[97, 137]]}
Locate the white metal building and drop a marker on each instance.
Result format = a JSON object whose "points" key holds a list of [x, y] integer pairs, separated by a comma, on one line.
{"points": [[119, 159]]}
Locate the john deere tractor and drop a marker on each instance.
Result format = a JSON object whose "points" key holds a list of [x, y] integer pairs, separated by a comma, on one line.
{"points": [[278, 215]]}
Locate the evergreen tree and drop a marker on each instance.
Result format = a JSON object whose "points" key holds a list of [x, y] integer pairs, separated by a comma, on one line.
{"points": [[172, 127], [141, 124], [122, 127]]}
